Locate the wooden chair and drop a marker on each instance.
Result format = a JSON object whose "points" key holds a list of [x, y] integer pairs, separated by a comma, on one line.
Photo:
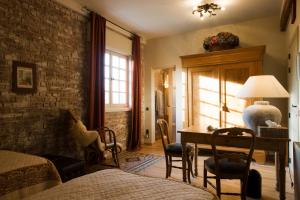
{"points": [[229, 165], [174, 150]]}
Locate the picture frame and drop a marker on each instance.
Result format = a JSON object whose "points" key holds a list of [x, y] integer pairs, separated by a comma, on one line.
{"points": [[24, 77]]}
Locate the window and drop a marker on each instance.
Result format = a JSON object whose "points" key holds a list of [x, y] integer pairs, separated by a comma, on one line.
{"points": [[117, 81]]}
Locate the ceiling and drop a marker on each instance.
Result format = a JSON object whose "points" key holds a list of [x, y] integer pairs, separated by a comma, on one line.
{"points": [[158, 18]]}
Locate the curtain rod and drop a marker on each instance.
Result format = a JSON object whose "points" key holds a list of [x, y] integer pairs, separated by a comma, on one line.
{"points": [[85, 8]]}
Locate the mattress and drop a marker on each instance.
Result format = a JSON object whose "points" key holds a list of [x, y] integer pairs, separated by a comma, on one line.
{"points": [[115, 184], [22, 175]]}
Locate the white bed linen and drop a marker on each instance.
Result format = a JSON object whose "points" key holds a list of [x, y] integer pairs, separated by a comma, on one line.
{"points": [[115, 184]]}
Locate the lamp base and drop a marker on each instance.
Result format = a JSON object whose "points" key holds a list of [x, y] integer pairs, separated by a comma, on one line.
{"points": [[261, 111]]}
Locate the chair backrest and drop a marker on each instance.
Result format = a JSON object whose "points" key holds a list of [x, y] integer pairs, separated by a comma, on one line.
{"points": [[107, 135], [164, 132], [245, 157]]}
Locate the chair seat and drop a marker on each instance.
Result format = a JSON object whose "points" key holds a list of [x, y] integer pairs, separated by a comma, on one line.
{"points": [[176, 148], [225, 166]]}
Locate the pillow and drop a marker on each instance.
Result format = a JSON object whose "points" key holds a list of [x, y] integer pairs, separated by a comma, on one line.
{"points": [[82, 135], [100, 144]]}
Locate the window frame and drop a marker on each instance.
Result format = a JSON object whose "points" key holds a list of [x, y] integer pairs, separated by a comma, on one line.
{"points": [[111, 107]]}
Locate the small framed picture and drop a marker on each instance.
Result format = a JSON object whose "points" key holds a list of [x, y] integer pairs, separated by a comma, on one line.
{"points": [[23, 77]]}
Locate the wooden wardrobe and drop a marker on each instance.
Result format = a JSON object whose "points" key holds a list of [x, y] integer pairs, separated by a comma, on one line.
{"points": [[213, 79]]}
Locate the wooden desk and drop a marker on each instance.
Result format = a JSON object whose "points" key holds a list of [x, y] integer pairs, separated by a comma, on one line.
{"points": [[195, 135]]}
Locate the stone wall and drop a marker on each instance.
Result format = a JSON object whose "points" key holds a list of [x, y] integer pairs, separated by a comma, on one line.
{"points": [[54, 38], [120, 122]]}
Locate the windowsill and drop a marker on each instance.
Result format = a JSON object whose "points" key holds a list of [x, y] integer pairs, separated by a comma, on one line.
{"points": [[117, 109]]}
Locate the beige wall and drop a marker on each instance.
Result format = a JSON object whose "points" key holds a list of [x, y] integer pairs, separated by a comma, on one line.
{"points": [[163, 52], [118, 43]]}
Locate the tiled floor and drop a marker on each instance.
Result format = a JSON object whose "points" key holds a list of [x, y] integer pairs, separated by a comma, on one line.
{"points": [[267, 172]]}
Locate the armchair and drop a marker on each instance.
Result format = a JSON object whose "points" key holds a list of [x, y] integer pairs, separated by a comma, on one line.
{"points": [[95, 142]]}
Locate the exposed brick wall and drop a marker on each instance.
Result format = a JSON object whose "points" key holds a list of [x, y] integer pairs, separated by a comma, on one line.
{"points": [[53, 37], [120, 123]]}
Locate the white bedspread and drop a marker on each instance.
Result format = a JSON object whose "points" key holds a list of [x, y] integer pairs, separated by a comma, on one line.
{"points": [[115, 184]]}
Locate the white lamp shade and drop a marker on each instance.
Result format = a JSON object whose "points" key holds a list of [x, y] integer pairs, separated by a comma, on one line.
{"points": [[262, 86]]}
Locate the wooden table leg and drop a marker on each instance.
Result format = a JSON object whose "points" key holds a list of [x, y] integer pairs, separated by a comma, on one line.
{"points": [[282, 159], [184, 158], [277, 171], [196, 160]]}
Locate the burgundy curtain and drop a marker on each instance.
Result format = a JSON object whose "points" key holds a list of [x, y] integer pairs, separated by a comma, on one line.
{"points": [[133, 141], [96, 92]]}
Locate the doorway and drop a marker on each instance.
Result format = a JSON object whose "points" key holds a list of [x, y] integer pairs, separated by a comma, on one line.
{"points": [[293, 85], [165, 96]]}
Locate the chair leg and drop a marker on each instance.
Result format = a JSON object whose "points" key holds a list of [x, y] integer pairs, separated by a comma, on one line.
{"points": [[192, 173], [113, 156], [189, 170], [205, 177], [167, 166], [170, 165], [116, 158], [218, 187], [243, 190]]}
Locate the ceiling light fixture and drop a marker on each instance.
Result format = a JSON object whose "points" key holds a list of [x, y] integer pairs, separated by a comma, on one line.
{"points": [[207, 9]]}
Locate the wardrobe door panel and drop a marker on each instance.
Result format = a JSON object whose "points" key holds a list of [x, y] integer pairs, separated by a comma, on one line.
{"points": [[232, 79], [205, 99]]}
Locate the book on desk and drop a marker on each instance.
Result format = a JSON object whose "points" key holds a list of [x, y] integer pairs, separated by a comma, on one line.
{"points": [[273, 132]]}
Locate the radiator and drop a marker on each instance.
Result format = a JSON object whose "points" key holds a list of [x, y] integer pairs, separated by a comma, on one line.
{"points": [[296, 148]]}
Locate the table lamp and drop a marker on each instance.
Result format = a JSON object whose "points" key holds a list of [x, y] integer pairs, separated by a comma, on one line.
{"points": [[262, 86]]}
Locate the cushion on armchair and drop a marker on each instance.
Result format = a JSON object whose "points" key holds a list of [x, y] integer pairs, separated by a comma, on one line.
{"points": [[100, 144], [85, 137]]}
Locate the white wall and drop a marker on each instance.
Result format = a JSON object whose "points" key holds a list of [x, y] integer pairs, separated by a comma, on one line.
{"points": [[163, 52], [293, 45], [149, 98]]}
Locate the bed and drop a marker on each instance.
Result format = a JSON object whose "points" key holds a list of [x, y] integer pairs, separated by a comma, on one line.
{"points": [[115, 184], [22, 175]]}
